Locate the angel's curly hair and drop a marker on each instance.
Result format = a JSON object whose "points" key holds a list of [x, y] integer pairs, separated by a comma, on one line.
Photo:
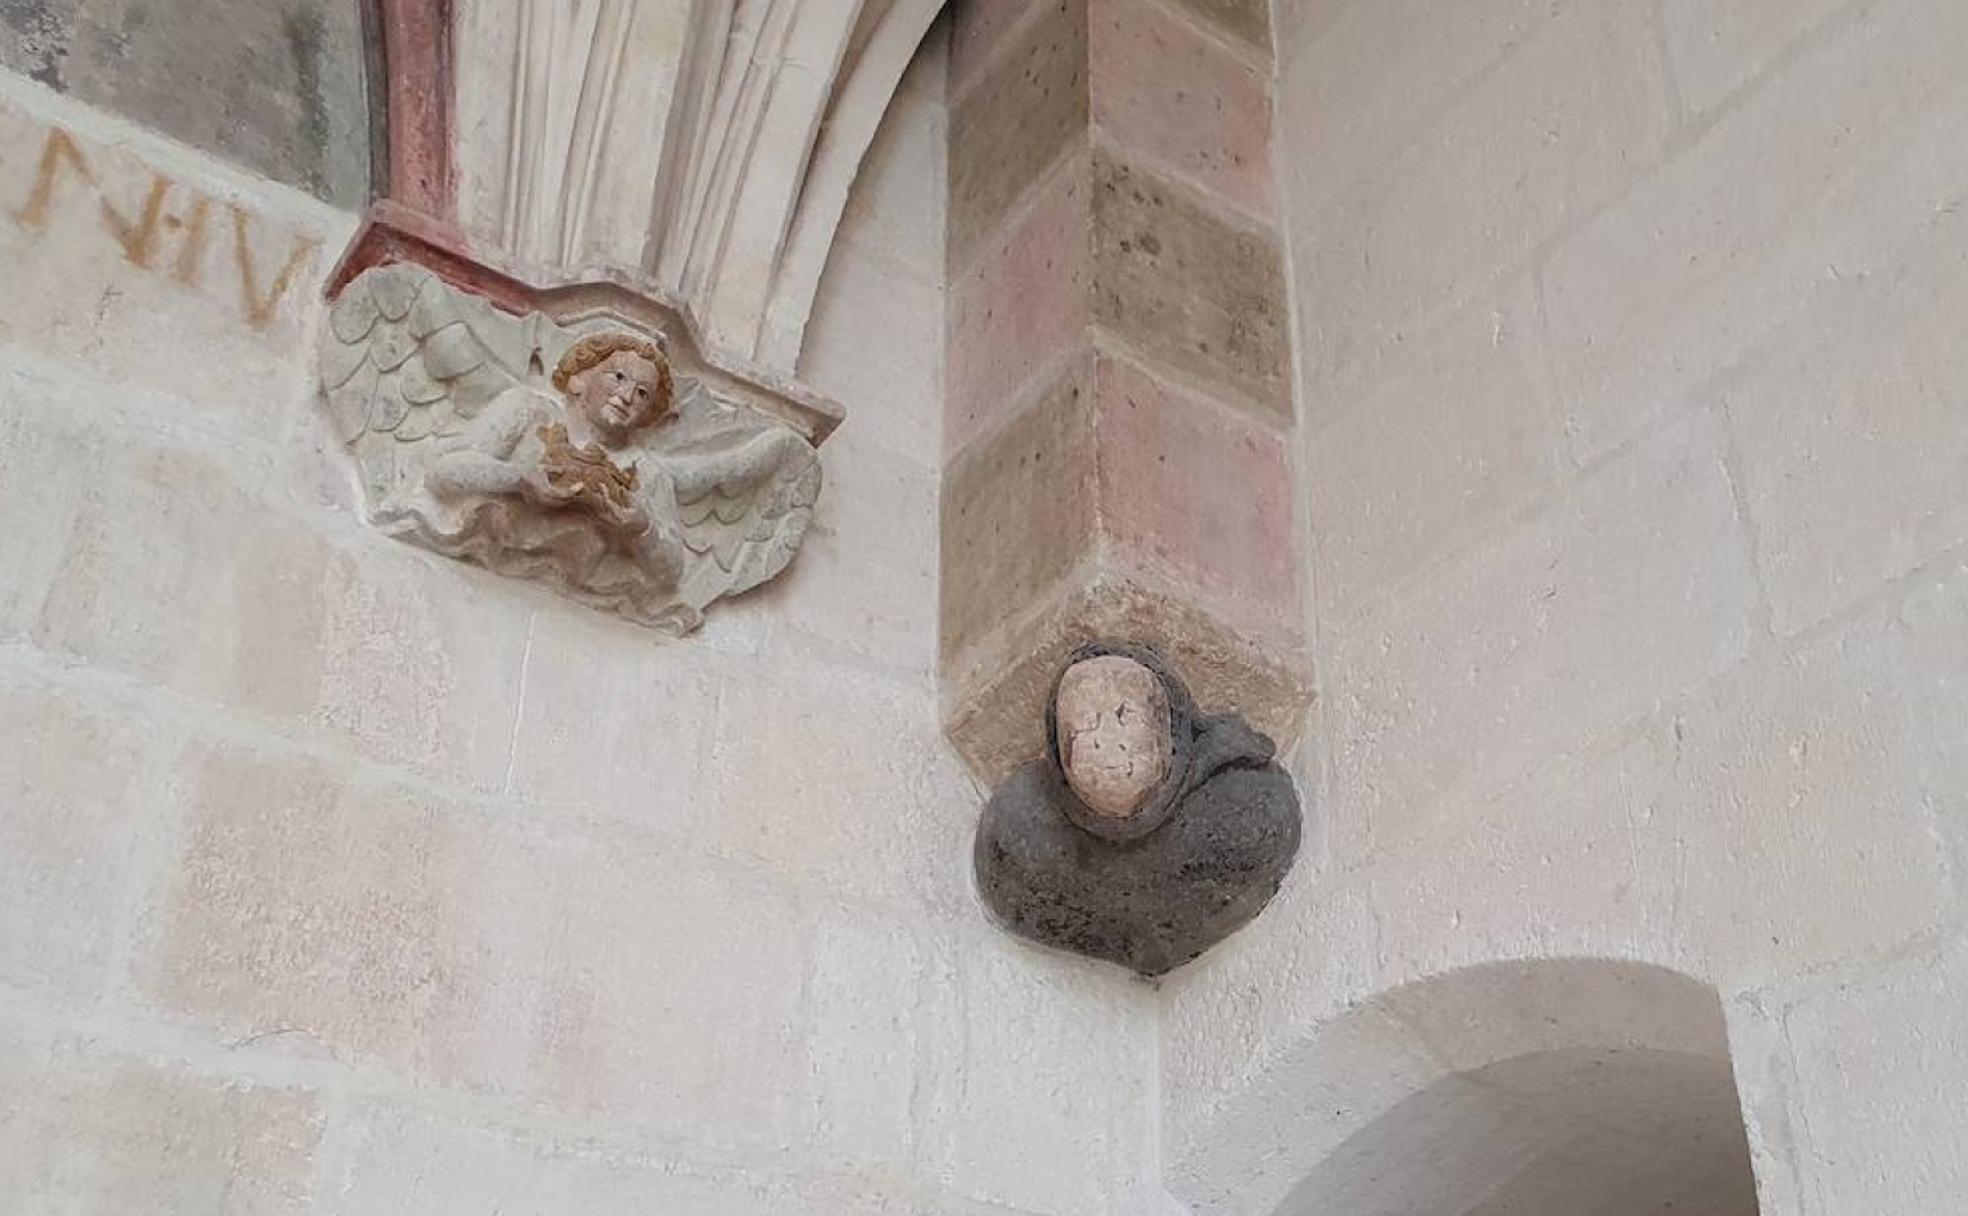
{"points": [[592, 350]]}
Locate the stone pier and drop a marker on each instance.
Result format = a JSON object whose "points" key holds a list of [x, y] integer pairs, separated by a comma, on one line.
{"points": [[1119, 397]]}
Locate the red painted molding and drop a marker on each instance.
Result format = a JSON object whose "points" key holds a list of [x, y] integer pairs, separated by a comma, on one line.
{"points": [[417, 59], [393, 232]]}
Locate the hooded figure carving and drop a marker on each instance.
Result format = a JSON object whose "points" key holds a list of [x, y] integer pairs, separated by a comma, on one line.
{"points": [[1148, 832]]}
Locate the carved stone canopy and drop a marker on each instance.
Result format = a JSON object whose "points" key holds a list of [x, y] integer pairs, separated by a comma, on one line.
{"points": [[697, 153], [574, 450]]}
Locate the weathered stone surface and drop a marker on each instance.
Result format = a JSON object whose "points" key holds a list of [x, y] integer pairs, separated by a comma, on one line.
{"points": [[71, 818], [407, 1158], [883, 535], [1015, 122], [1113, 732], [978, 28], [420, 665], [1810, 768], [1148, 886], [126, 252], [1638, 590], [1522, 155], [1821, 175], [1037, 1064], [91, 1132], [1456, 437], [1190, 288], [807, 812], [1200, 494], [1134, 292], [1879, 1100], [1030, 292], [1180, 100], [1850, 488], [352, 917], [1246, 20], [1302, 22], [157, 530], [280, 88], [1602, 821], [1361, 80], [1018, 511], [642, 760], [1156, 481], [1715, 48], [864, 287], [44, 476]]}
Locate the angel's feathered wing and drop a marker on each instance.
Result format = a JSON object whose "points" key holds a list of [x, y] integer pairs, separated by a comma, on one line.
{"points": [[744, 502], [407, 359]]}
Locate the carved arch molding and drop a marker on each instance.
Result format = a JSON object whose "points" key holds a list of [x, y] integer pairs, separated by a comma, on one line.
{"points": [[697, 153]]}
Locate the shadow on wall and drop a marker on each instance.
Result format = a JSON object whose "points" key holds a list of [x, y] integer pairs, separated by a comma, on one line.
{"points": [[1548, 1088]]}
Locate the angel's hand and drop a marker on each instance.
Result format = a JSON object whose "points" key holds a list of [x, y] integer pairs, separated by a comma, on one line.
{"points": [[661, 555], [626, 518], [536, 487]]}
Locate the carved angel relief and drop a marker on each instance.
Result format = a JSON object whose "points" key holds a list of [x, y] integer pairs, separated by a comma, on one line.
{"points": [[576, 459]]}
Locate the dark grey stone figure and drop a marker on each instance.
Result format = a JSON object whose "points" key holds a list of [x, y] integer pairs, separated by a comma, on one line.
{"points": [[1148, 832]]}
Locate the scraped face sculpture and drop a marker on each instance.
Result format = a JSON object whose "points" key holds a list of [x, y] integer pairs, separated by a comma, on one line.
{"points": [[1114, 733]]}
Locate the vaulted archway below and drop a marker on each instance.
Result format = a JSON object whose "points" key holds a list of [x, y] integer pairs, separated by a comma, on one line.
{"points": [[1541, 1088]]}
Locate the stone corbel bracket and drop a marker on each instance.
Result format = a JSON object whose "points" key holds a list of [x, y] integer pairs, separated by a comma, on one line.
{"points": [[393, 232], [1148, 831], [573, 435], [572, 180]]}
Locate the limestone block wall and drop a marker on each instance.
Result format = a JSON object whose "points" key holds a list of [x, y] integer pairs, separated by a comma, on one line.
{"points": [[339, 878], [1633, 426]]}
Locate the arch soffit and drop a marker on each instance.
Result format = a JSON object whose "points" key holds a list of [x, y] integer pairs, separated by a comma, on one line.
{"points": [[1520, 1029]]}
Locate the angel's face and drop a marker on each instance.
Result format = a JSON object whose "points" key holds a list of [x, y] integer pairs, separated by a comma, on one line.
{"points": [[618, 396], [1114, 733]]}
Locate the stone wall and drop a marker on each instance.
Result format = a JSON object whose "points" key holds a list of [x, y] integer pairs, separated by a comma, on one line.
{"points": [[278, 85], [1633, 442], [338, 877]]}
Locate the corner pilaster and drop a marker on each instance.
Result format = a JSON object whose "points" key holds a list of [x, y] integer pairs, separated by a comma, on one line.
{"points": [[1119, 399]]}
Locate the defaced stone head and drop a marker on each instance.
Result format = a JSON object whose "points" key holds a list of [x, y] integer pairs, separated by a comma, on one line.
{"points": [[618, 382], [1115, 735]]}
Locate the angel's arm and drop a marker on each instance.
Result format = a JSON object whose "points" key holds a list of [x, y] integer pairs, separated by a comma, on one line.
{"points": [[735, 468], [481, 460]]}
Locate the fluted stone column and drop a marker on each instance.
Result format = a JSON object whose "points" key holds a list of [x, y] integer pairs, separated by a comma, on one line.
{"points": [[1119, 393]]}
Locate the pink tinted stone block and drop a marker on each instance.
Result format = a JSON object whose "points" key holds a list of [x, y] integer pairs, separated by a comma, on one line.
{"points": [[1020, 308], [70, 816], [377, 924], [84, 1132], [1163, 92], [1198, 494], [303, 907]]}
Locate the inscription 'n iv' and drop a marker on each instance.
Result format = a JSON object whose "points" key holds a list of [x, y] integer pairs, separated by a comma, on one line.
{"points": [[143, 236]]}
